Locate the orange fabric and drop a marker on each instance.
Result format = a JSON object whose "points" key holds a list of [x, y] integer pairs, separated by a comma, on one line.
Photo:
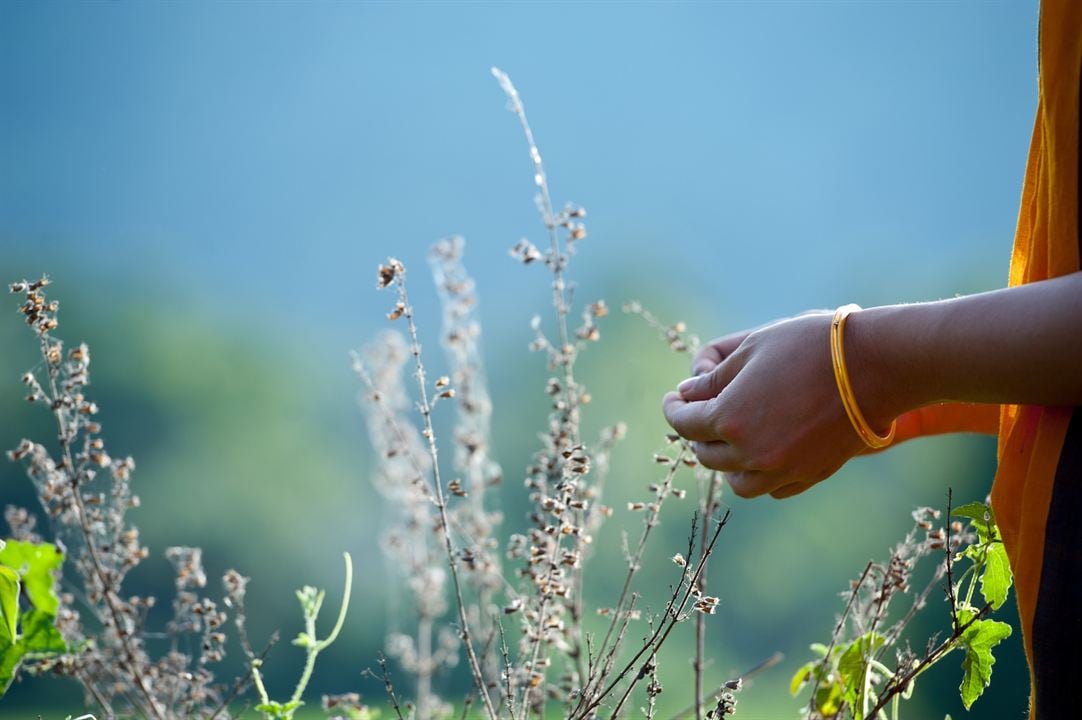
{"points": [[1045, 246], [948, 418]]}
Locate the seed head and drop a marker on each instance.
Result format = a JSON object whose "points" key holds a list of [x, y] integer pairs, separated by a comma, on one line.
{"points": [[390, 272]]}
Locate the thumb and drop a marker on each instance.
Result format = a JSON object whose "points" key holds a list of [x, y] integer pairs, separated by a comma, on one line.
{"points": [[709, 384]]}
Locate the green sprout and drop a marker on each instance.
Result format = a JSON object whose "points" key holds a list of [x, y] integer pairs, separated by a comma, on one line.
{"points": [[311, 600]]}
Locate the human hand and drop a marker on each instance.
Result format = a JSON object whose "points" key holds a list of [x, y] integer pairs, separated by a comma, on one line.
{"points": [[764, 408], [716, 350]]}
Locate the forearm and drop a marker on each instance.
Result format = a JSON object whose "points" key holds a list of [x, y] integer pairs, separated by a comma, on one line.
{"points": [[1018, 345]]}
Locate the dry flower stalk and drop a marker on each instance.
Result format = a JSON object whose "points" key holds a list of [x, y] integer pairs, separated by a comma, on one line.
{"points": [[86, 493], [555, 660]]}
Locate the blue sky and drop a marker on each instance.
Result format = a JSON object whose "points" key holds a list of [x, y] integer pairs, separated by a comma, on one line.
{"points": [[774, 155]]}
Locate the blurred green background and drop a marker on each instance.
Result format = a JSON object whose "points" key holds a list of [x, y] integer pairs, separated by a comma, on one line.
{"points": [[211, 186]]}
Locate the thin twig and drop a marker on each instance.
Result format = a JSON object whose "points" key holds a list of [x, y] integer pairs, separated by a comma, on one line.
{"points": [[708, 508], [100, 699], [837, 633], [104, 578], [950, 557], [673, 618], [635, 561], [508, 674], [467, 703], [388, 686], [244, 680], [745, 676], [918, 603], [441, 504], [673, 614]]}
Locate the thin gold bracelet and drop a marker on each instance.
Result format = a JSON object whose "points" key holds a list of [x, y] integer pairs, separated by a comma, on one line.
{"points": [[845, 387]]}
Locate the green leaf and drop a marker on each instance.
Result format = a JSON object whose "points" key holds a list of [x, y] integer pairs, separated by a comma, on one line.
{"points": [[854, 663], [35, 563], [10, 658], [996, 578], [801, 678], [980, 517], [279, 710], [40, 634], [978, 640], [819, 649], [828, 699], [9, 605]]}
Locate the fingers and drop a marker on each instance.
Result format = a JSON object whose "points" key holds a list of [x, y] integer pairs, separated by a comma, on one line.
{"points": [[715, 351], [692, 420], [710, 384], [752, 483], [705, 360], [720, 348], [787, 491], [719, 455]]}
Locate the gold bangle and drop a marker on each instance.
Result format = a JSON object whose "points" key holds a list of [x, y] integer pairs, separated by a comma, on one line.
{"points": [[845, 387]]}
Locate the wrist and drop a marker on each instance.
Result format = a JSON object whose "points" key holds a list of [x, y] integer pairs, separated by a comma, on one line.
{"points": [[881, 366]]}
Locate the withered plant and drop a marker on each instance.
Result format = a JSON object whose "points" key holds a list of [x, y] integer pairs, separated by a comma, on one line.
{"points": [[521, 629], [95, 631]]}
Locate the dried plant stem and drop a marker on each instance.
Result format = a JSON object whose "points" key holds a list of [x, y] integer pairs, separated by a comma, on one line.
{"points": [[651, 696], [91, 548], [837, 631], [467, 703], [949, 559], [103, 703], [388, 686], [536, 651], [673, 614], [424, 665], [709, 506], [635, 562], [577, 604], [747, 675], [918, 602], [675, 335], [242, 682], [388, 415], [610, 660], [548, 217], [564, 357], [441, 503], [509, 684]]}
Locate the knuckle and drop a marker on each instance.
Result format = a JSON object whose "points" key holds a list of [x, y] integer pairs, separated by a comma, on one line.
{"points": [[724, 425]]}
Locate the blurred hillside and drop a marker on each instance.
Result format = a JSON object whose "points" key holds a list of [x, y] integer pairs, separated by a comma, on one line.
{"points": [[258, 456]]}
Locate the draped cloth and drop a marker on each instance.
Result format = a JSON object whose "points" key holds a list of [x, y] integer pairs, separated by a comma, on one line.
{"points": [[1037, 494]]}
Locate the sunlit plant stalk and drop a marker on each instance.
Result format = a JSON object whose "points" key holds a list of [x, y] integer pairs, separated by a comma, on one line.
{"points": [[311, 600]]}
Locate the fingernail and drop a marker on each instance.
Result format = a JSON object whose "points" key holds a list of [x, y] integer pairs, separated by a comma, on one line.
{"points": [[686, 385]]}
